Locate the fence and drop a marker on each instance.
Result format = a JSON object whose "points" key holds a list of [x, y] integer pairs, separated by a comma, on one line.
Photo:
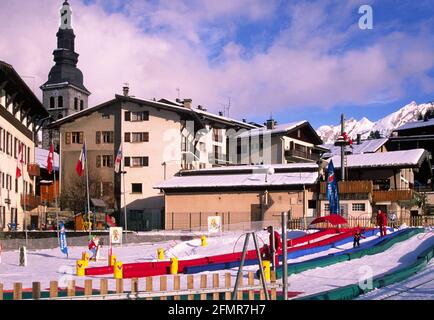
{"points": [[196, 290]]}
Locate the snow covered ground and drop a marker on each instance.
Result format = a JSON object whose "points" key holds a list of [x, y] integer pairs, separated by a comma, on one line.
{"points": [[47, 265]]}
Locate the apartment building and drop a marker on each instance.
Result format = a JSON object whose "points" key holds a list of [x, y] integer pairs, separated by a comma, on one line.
{"points": [[159, 139], [21, 114]]}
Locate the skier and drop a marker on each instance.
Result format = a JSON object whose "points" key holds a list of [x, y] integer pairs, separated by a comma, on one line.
{"points": [[357, 237], [382, 222], [93, 247], [268, 249]]}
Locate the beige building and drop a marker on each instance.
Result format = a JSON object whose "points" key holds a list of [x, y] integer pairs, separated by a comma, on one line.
{"points": [[239, 194], [159, 139], [20, 116]]}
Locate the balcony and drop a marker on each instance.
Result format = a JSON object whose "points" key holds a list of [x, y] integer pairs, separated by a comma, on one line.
{"points": [[393, 195], [302, 155], [31, 202], [34, 170], [346, 187]]}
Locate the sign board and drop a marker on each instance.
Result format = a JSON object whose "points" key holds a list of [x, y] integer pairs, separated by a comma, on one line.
{"points": [[116, 235], [214, 224]]}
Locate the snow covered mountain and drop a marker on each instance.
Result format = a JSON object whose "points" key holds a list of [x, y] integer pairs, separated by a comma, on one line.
{"points": [[385, 126]]}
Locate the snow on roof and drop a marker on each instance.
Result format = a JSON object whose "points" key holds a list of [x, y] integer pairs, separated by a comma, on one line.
{"points": [[416, 124], [289, 166], [366, 146], [239, 180], [281, 128], [406, 158], [41, 156]]}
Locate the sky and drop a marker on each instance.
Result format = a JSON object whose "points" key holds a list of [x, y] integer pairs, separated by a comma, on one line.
{"points": [[292, 60]]}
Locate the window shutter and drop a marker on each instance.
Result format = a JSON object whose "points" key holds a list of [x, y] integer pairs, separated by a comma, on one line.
{"points": [[145, 161], [111, 162], [98, 137], [146, 137], [68, 137], [127, 162], [98, 161], [127, 137], [145, 115], [112, 137], [127, 116], [81, 138]]}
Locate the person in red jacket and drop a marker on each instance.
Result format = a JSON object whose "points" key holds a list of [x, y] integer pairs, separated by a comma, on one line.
{"points": [[382, 222], [93, 247], [268, 249]]}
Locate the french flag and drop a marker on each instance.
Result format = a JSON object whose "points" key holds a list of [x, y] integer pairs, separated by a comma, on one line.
{"points": [[81, 162]]}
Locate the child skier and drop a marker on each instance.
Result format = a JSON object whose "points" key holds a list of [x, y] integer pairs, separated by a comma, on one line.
{"points": [[357, 237], [93, 247]]}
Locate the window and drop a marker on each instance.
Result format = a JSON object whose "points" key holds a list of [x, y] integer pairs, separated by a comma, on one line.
{"points": [[75, 103], [139, 137], [136, 161], [77, 137], [60, 102], [1, 139], [359, 207], [217, 136], [217, 154], [105, 116], [127, 137], [312, 204], [16, 185], [52, 103], [104, 161], [16, 142], [136, 188], [81, 105], [107, 137], [327, 207], [136, 116]]}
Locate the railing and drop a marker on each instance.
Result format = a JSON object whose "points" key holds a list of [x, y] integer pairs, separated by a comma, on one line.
{"points": [[358, 186], [302, 154], [31, 202], [392, 195], [220, 290]]}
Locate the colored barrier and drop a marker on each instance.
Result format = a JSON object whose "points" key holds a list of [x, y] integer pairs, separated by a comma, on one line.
{"points": [[353, 291], [351, 254]]}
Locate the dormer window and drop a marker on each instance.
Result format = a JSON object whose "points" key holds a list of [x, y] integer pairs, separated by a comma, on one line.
{"points": [[60, 102], [76, 104], [52, 103], [81, 105]]}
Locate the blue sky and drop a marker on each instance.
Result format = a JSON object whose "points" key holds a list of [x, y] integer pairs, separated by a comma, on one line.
{"points": [[292, 59]]}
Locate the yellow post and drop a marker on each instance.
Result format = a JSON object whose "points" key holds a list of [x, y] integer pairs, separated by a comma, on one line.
{"points": [[81, 265], [266, 265], [112, 260], [203, 239], [160, 253], [118, 270], [85, 257], [174, 266]]}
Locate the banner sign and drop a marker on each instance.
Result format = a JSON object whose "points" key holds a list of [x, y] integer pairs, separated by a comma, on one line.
{"points": [[116, 235], [214, 224], [63, 244], [332, 190]]}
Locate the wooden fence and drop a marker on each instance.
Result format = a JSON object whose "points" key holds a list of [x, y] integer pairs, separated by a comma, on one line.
{"points": [[143, 289]]}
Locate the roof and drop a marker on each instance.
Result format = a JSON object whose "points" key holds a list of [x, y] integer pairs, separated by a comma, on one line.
{"points": [[297, 167], [397, 159], [416, 124], [41, 156], [13, 80], [366, 146], [170, 105], [281, 128], [239, 180]]}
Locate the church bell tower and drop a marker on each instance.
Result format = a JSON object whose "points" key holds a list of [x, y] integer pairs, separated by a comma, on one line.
{"points": [[64, 93]]}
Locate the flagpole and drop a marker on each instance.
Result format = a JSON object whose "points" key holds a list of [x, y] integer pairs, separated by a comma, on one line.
{"points": [[87, 187]]}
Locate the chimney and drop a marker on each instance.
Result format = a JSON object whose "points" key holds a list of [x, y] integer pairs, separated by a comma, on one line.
{"points": [[359, 138], [126, 90], [271, 124], [244, 120], [188, 103], [221, 113]]}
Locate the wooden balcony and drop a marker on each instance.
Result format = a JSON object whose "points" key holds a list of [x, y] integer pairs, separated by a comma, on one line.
{"points": [[361, 186], [302, 154], [30, 202], [34, 170], [392, 195]]}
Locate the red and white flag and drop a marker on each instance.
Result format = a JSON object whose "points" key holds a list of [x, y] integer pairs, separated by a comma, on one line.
{"points": [[50, 159], [20, 160], [118, 160], [81, 162]]}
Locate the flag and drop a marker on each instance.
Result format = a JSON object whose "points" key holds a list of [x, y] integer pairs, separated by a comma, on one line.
{"points": [[20, 161], [82, 161], [332, 189], [63, 244], [50, 159], [118, 160]]}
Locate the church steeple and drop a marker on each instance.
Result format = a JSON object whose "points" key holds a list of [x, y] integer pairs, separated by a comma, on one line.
{"points": [[64, 93]]}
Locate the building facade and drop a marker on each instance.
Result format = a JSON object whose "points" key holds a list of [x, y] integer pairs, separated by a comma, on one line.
{"points": [[21, 115], [158, 139]]}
